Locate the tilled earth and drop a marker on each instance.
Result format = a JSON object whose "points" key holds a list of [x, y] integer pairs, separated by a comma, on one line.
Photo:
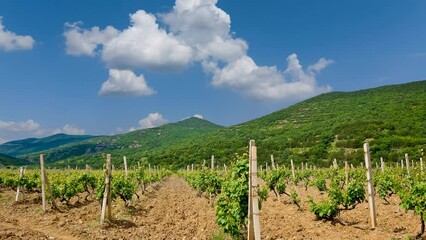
{"points": [[172, 210]]}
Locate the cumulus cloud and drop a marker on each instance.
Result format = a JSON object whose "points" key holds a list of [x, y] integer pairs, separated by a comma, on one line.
{"points": [[145, 45], [10, 41], [26, 126], [198, 116], [30, 128], [80, 41], [197, 31], [125, 82], [152, 120], [72, 130], [263, 82]]}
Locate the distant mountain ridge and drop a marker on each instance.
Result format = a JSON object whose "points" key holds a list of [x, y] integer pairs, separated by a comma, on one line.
{"points": [[138, 141], [6, 160], [332, 125], [25, 146]]}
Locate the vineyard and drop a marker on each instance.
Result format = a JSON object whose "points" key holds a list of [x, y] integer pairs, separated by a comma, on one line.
{"points": [[295, 202]]}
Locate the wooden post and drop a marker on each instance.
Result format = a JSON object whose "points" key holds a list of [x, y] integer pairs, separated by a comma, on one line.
{"points": [[382, 164], [52, 200], [273, 162], [346, 174], [139, 165], [335, 163], [352, 166], [254, 223], [43, 191], [402, 164], [421, 164], [106, 201], [224, 167], [407, 163], [292, 169], [370, 186], [21, 173], [212, 163], [125, 164]]}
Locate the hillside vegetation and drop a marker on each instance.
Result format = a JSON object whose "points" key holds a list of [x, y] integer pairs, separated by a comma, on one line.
{"points": [[30, 145], [7, 161], [333, 125], [135, 143]]}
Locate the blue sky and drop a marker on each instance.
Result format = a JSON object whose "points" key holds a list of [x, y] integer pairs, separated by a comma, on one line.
{"points": [[103, 67]]}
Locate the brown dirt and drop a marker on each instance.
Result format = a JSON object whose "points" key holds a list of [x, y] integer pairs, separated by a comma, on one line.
{"points": [[170, 210], [283, 220]]}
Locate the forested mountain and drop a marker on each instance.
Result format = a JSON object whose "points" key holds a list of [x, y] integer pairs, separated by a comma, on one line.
{"points": [[30, 145], [333, 125]]}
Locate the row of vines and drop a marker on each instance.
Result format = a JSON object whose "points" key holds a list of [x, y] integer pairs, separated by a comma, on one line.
{"points": [[76, 186], [228, 191]]}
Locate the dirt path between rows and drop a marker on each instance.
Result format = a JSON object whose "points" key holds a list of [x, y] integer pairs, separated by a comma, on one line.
{"points": [[169, 210]]}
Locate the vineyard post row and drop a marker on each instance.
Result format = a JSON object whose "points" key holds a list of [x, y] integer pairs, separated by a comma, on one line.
{"points": [[106, 202], [253, 202], [370, 186], [45, 183]]}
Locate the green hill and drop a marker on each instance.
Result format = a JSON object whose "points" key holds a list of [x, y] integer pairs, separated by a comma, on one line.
{"points": [[31, 145], [133, 144], [333, 125], [6, 161]]}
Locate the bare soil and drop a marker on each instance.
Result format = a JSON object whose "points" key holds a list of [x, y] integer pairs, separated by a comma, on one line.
{"points": [[281, 219], [172, 210]]}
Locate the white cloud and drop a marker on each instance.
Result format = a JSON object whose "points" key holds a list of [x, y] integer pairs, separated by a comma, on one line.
{"points": [[85, 42], [26, 126], [198, 116], [198, 31], [9, 41], [2, 141], [145, 45], [30, 128], [152, 120], [72, 130], [125, 82], [263, 82]]}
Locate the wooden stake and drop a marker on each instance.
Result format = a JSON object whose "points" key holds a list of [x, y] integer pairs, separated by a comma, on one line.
{"points": [[421, 164], [402, 164], [125, 164], [371, 202], [212, 163], [139, 165], [382, 164], [273, 162], [106, 202], [292, 169], [346, 174], [254, 223], [52, 200], [43, 191], [21, 173], [407, 163]]}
